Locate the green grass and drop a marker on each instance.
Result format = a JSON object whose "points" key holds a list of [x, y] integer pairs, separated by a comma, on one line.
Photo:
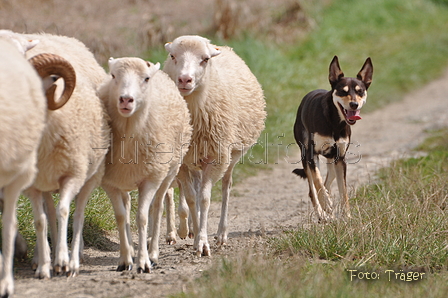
{"points": [[408, 44], [398, 232], [399, 221], [407, 41], [253, 276]]}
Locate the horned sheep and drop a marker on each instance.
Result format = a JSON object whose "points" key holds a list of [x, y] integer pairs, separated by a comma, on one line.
{"points": [[227, 107], [22, 127], [151, 132], [72, 153]]}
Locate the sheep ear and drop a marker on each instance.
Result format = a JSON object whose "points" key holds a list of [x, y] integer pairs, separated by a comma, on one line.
{"points": [[168, 46], [214, 51], [31, 44], [111, 62], [155, 67]]}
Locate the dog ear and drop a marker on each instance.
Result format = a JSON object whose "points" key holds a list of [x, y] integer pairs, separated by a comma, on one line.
{"points": [[335, 71], [366, 72]]}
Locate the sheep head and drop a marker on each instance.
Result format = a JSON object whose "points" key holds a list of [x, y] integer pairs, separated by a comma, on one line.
{"points": [[48, 65], [130, 78], [19, 41], [190, 57]]}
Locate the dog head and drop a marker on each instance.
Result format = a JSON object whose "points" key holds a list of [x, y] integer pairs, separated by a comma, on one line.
{"points": [[350, 94]]}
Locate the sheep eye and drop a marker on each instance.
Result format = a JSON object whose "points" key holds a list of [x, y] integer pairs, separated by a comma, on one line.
{"points": [[147, 80], [205, 60], [113, 76], [172, 57]]}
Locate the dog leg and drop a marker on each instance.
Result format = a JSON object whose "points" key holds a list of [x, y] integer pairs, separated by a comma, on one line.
{"points": [[317, 191], [321, 216], [322, 193], [331, 174], [341, 169]]}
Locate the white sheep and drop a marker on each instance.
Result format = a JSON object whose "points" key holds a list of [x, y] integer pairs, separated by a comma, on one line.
{"points": [[151, 133], [21, 129], [227, 107], [72, 152]]}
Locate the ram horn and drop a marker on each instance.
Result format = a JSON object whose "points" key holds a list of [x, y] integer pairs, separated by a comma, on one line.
{"points": [[50, 64]]}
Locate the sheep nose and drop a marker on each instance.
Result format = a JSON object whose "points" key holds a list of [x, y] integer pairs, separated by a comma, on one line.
{"points": [[126, 99], [354, 105], [185, 79]]}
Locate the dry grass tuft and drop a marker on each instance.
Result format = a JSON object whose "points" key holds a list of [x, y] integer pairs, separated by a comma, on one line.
{"points": [[132, 27], [282, 21]]}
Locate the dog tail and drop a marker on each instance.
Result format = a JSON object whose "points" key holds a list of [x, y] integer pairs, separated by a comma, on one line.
{"points": [[300, 172]]}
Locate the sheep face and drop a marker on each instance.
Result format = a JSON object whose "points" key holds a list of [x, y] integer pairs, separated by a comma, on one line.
{"points": [[130, 78], [190, 56]]}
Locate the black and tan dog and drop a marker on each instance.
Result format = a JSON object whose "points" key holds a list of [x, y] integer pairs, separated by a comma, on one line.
{"points": [[322, 127]]}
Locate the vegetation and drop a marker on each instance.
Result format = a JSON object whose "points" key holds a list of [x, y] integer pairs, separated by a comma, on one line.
{"points": [[395, 244], [399, 223]]}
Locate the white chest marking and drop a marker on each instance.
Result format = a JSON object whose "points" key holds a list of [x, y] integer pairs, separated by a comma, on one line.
{"points": [[324, 144]]}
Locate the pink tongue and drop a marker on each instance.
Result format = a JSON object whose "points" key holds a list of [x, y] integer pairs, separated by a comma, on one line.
{"points": [[353, 115]]}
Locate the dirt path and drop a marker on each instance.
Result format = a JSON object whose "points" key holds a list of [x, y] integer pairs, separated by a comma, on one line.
{"points": [[260, 206]]}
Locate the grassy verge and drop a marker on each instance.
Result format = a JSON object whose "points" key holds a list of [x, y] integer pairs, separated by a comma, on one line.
{"points": [[406, 40], [408, 43], [395, 244]]}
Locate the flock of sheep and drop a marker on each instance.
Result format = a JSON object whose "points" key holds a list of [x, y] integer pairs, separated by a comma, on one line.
{"points": [[136, 128]]}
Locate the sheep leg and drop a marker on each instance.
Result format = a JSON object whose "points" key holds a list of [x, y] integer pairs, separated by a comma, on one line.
{"points": [[78, 222], [226, 187], [210, 174], [189, 187], [147, 190], [40, 223], [183, 211], [193, 221], [116, 198], [20, 245], [170, 219], [158, 203], [69, 188], [126, 198], [9, 220], [50, 211], [150, 225]]}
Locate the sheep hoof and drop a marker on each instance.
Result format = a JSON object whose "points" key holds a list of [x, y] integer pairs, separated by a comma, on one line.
{"points": [[58, 269], [124, 267], [205, 252], [141, 270], [42, 275], [73, 273], [191, 235]]}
